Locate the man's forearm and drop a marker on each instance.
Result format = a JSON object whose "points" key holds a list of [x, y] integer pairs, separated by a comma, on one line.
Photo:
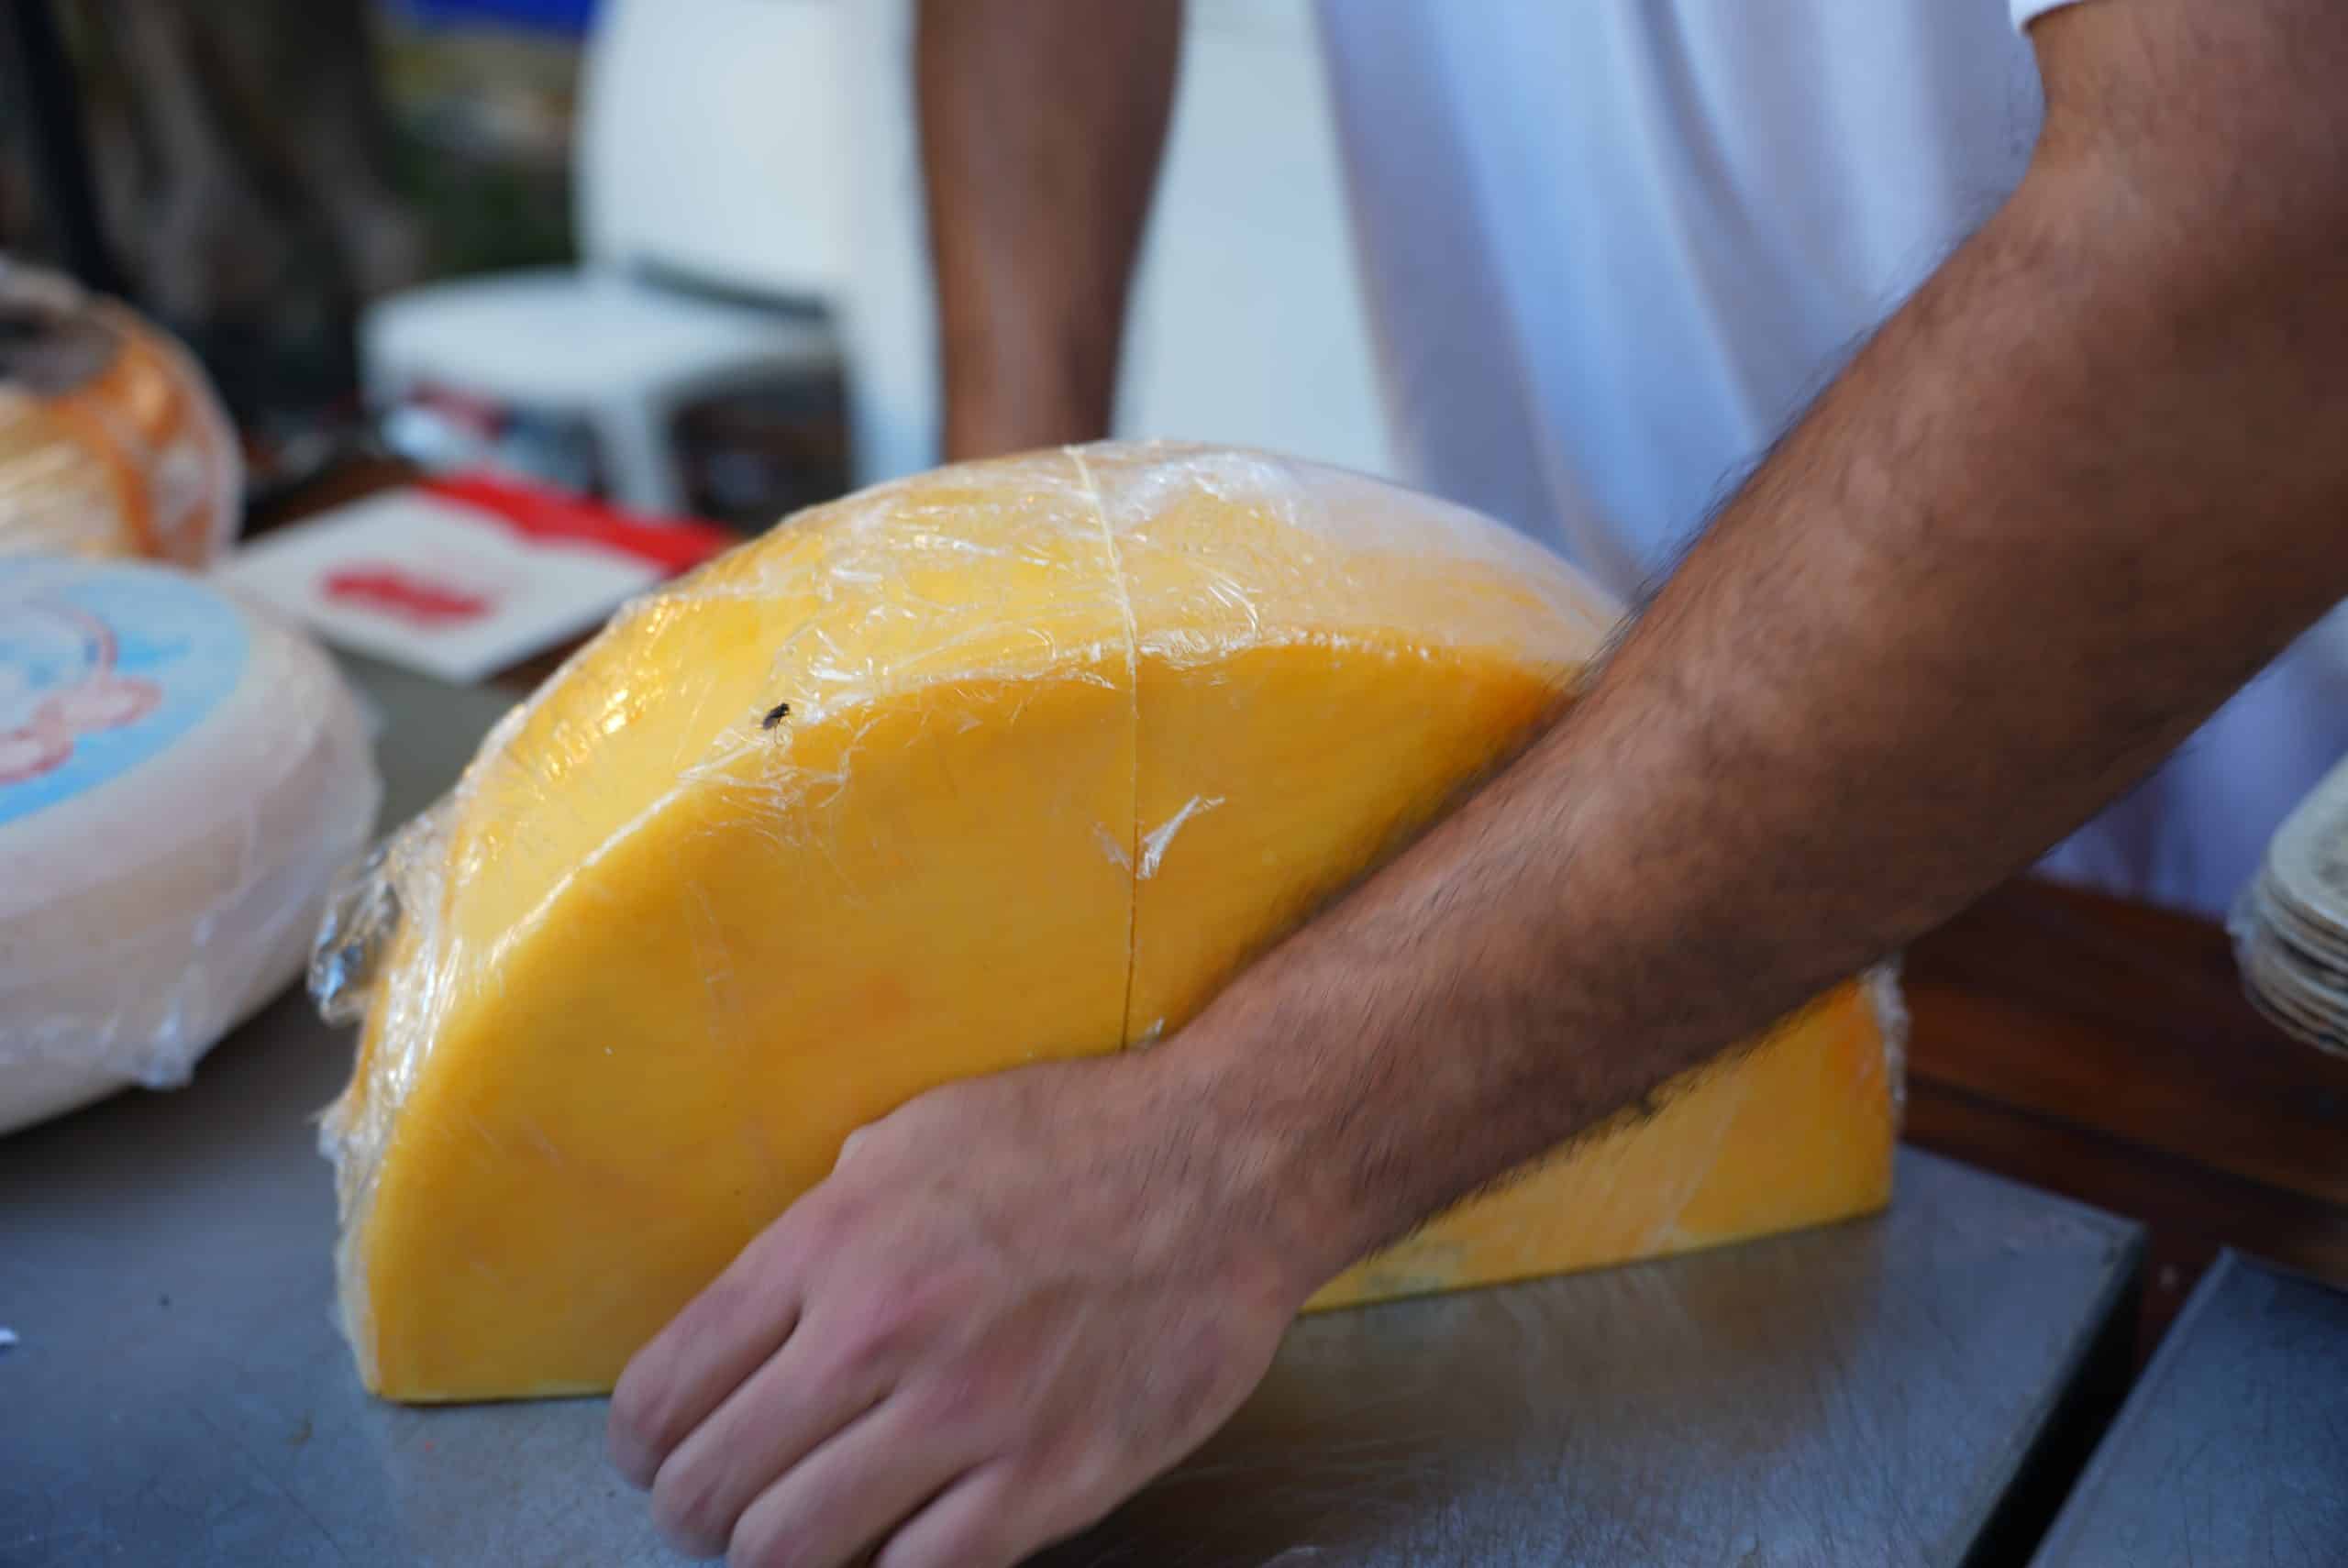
{"points": [[2084, 485], [2088, 481], [1042, 122]]}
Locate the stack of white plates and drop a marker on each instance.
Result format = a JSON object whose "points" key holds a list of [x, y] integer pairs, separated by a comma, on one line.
{"points": [[2290, 926]]}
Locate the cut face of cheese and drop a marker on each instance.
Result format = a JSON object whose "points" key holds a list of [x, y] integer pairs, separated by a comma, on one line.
{"points": [[1012, 762], [673, 954], [1798, 1130]]}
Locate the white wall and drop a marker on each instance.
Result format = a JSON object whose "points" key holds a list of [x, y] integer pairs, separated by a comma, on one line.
{"points": [[712, 141]]}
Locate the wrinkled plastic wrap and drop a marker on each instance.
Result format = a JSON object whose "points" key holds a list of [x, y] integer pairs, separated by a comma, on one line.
{"points": [[181, 777], [112, 442], [1008, 762]]}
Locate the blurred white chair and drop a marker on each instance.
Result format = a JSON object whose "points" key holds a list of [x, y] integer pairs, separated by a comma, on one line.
{"points": [[711, 181]]}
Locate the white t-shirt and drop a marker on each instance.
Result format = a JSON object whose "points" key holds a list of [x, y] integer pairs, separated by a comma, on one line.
{"points": [[1611, 249]]}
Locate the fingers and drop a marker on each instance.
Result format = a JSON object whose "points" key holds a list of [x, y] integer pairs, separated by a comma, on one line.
{"points": [[721, 1338], [804, 1394], [998, 1514], [846, 1496], [971, 1524]]}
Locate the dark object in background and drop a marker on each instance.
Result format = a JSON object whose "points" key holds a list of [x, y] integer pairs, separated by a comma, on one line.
{"points": [[752, 456], [244, 162], [266, 169], [253, 126], [37, 77], [442, 429], [749, 456], [258, 175], [237, 188], [554, 16]]}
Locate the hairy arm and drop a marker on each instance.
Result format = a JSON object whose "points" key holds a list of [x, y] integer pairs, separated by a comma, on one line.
{"points": [[1042, 124], [2082, 486], [2078, 490]]}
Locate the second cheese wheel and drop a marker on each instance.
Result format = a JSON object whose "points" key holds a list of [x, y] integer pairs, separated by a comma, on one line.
{"points": [[1014, 761], [181, 777]]}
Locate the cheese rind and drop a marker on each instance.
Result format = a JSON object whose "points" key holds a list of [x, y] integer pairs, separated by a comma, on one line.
{"points": [[1012, 762]]}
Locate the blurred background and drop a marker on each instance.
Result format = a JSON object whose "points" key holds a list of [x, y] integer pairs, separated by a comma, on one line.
{"points": [[667, 254]]}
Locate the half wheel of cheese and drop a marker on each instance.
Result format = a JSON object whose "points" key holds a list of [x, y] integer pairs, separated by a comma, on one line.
{"points": [[1014, 761]]}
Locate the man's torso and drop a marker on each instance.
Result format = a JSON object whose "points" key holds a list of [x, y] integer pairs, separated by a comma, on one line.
{"points": [[1612, 250]]}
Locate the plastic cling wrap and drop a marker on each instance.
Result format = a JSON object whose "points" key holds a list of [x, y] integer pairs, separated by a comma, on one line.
{"points": [[111, 440], [1009, 762], [181, 777]]}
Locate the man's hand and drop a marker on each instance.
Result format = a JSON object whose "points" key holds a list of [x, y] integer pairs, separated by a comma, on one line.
{"points": [[1011, 1303], [2078, 490]]}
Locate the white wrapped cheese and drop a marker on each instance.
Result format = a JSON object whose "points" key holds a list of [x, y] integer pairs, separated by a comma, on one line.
{"points": [[181, 777]]}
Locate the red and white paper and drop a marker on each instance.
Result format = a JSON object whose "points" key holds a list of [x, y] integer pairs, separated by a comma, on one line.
{"points": [[460, 578]]}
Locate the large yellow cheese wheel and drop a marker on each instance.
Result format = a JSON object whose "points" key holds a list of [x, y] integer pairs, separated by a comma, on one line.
{"points": [[1014, 761]]}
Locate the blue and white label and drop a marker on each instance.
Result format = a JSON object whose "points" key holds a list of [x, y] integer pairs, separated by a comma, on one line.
{"points": [[102, 669]]}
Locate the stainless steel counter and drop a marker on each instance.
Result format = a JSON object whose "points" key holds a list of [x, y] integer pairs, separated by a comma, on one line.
{"points": [[1867, 1394], [2233, 1447]]}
